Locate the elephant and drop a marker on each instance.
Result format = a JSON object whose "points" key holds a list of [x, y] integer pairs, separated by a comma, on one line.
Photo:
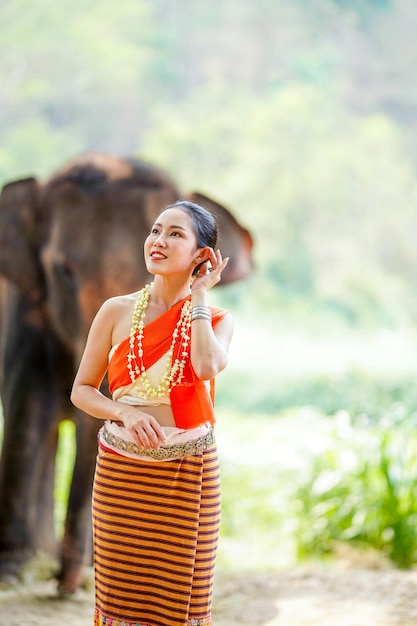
{"points": [[66, 245]]}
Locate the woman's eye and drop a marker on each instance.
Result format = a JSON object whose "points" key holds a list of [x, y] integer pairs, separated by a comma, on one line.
{"points": [[154, 231]]}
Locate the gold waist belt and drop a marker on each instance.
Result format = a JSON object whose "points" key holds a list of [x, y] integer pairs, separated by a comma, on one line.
{"points": [[175, 451]]}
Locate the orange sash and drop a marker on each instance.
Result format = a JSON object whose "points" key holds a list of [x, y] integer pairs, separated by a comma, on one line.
{"points": [[191, 402]]}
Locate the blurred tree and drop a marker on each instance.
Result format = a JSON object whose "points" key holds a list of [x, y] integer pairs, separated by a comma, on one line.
{"points": [[301, 114], [321, 188]]}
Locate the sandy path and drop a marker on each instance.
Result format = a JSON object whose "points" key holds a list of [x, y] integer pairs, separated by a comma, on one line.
{"points": [[314, 596]]}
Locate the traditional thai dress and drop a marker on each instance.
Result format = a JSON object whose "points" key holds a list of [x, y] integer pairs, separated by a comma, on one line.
{"points": [[156, 513]]}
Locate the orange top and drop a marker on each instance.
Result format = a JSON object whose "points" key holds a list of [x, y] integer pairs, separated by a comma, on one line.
{"points": [[191, 401]]}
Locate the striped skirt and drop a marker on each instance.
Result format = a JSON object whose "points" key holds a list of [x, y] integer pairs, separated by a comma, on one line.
{"points": [[156, 528]]}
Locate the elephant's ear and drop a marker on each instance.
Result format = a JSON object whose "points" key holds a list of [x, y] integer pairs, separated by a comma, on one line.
{"points": [[235, 241], [19, 232]]}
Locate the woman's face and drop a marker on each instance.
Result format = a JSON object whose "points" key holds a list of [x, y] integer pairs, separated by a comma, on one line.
{"points": [[171, 246]]}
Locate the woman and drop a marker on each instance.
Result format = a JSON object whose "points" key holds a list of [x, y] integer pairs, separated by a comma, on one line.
{"points": [[156, 498]]}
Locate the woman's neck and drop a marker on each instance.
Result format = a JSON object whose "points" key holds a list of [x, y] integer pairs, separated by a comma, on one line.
{"points": [[164, 294]]}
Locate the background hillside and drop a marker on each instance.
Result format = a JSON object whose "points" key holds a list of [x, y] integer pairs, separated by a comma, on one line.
{"points": [[301, 116]]}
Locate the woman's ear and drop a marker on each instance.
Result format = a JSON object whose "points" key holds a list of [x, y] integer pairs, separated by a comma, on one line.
{"points": [[203, 255]]}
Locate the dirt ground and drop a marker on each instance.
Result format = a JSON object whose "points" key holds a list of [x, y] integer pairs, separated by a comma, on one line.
{"points": [[319, 595]]}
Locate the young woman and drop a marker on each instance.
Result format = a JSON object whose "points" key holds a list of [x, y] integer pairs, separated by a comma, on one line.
{"points": [[156, 498]]}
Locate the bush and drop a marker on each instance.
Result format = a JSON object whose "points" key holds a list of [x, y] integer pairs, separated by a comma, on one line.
{"points": [[362, 489]]}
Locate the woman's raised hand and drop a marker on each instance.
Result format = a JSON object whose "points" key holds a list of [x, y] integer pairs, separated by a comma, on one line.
{"points": [[209, 273]]}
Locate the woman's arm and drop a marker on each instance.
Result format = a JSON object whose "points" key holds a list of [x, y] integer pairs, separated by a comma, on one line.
{"points": [[86, 394], [209, 347]]}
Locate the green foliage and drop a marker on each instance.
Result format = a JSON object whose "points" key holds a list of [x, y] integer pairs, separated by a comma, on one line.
{"points": [[31, 151], [317, 188], [363, 489], [277, 362], [361, 7], [355, 391], [252, 516], [63, 473], [294, 130]]}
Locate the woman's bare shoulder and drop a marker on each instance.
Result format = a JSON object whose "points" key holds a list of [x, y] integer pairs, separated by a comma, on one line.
{"points": [[119, 303], [116, 313]]}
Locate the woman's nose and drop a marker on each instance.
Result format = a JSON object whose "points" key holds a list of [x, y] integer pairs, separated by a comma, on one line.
{"points": [[160, 240]]}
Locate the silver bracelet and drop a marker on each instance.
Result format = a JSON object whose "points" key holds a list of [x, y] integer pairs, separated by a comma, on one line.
{"points": [[201, 312], [200, 308]]}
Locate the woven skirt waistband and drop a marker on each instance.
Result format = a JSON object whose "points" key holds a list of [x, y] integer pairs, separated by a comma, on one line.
{"points": [[163, 453]]}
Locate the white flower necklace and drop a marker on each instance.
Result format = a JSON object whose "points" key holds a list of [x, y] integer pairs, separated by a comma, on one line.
{"points": [[174, 368]]}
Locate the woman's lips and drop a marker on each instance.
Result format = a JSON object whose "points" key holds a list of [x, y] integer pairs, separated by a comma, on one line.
{"points": [[157, 256]]}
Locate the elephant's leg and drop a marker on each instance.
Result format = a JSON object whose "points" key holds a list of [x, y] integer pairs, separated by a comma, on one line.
{"points": [[44, 539], [29, 443], [77, 542]]}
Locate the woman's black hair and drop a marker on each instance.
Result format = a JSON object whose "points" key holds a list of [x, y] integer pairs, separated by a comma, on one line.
{"points": [[204, 224]]}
